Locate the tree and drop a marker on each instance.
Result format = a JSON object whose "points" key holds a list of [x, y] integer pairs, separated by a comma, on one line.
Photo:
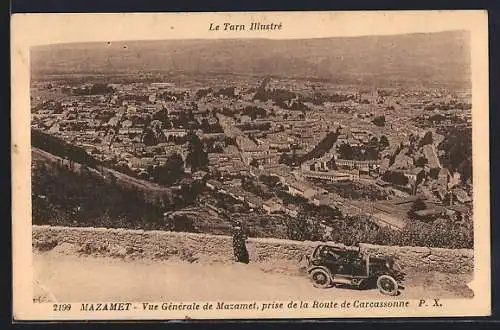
{"points": [[100, 88], [197, 157], [190, 190], [457, 147], [322, 147], [203, 92], [269, 180], [395, 177], [371, 153], [253, 112], [170, 172], [156, 128], [227, 91], [379, 120], [285, 159], [205, 126], [148, 137], [427, 139], [346, 151], [421, 161], [162, 115], [383, 142], [417, 205]]}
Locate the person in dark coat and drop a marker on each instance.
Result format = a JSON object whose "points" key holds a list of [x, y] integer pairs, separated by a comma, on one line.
{"points": [[239, 244]]}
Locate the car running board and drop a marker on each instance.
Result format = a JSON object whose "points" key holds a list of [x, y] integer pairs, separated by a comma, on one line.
{"points": [[348, 280]]}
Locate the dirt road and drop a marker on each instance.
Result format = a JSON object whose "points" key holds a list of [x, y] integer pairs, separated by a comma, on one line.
{"points": [[72, 278]]}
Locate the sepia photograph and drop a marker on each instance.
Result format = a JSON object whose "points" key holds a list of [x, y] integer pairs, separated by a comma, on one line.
{"points": [[251, 165]]}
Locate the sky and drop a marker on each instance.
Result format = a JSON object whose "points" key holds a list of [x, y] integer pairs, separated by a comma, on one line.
{"points": [[43, 29]]}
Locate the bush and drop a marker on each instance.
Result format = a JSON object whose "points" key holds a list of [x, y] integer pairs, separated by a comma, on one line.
{"points": [[304, 228], [441, 234], [46, 245], [181, 223]]}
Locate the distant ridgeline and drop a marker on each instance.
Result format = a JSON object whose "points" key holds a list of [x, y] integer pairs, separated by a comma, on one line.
{"points": [[414, 59], [61, 148]]}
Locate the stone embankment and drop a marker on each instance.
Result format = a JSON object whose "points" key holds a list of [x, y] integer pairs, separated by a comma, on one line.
{"points": [[191, 247]]}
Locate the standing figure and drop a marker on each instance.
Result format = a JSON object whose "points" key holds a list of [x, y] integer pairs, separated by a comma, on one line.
{"points": [[239, 245]]}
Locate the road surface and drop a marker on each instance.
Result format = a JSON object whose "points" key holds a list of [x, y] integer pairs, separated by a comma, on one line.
{"points": [[72, 278]]}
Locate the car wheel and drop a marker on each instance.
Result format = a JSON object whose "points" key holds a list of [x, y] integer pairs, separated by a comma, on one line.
{"points": [[387, 285], [321, 278]]}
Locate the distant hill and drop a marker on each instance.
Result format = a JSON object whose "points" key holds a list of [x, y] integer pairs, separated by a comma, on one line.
{"points": [[428, 59]]}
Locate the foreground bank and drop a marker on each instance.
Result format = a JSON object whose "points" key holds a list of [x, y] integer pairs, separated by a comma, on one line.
{"points": [[88, 279]]}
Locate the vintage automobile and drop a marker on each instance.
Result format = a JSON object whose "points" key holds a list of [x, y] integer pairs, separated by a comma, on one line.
{"points": [[332, 265]]}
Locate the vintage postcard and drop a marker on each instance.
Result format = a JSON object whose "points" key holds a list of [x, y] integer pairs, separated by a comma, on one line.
{"points": [[250, 165]]}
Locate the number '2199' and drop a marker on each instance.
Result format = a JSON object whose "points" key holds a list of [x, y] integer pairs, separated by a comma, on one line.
{"points": [[61, 307]]}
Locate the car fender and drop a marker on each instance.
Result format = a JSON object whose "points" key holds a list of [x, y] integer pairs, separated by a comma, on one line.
{"points": [[398, 276], [310, 269], [394, 275]]}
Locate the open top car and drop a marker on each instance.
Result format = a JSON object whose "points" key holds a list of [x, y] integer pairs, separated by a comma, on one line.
{"points": [[330, 265]]}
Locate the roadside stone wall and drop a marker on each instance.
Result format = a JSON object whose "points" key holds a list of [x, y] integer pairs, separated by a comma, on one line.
{"points": [[455, 261], [190, 247]]}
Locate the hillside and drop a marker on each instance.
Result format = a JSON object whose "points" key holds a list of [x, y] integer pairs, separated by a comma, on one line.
{"points": [[76, 197], [61, 148], [429, 59]]}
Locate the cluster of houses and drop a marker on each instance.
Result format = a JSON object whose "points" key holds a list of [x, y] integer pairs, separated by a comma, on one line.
{"points": [[111, 127], [228, 163]]}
